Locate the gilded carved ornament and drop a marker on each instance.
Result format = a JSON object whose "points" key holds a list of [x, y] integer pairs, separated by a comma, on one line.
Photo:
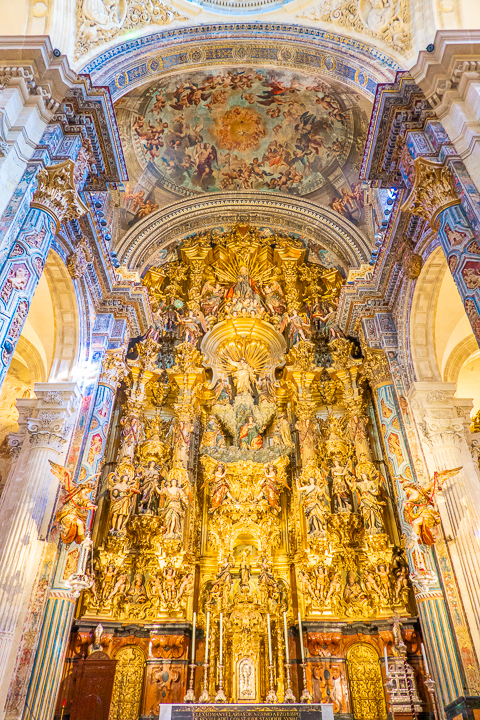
{"points": [[114, 368], [56, 193], [432, 193], [375, 366]]}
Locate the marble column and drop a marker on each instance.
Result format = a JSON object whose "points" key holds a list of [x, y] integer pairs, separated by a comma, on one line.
{"points": [[443, 420], [429, 597], [55, 633], [27, 503]]}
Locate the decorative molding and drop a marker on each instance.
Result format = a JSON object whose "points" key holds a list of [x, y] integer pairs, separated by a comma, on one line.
{"points": [[432, 193], [57, 195]]}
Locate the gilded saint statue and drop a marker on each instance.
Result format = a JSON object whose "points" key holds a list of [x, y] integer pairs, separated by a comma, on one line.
{"points": [[122, 496], [369, 493], [244, 377], [316, 500], [270, 487], [342, 484], [174, 501]]}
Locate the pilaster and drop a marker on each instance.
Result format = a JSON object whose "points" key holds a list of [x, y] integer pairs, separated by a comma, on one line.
{"points": [[28, 502], [442, 421]]}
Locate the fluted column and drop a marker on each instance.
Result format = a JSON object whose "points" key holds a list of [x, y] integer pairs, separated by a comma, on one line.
{"points": [[55, 633], [26, 507], [441, 418], [429, 597]]}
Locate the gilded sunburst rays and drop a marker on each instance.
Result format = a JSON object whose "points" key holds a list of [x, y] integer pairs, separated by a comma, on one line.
{"points": [[255, 352]]}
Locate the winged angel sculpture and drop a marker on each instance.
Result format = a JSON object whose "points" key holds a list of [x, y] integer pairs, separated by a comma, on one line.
{"points": [[419, 509], [72, 515]]}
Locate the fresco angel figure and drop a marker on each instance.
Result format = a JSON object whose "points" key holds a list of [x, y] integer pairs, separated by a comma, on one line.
{"points": [[419, 508], [72, 516]]}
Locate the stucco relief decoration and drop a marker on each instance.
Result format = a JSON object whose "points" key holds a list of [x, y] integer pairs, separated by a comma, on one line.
{"points": [[56, 193], [387, 20], [99, 21], [432, 193]]}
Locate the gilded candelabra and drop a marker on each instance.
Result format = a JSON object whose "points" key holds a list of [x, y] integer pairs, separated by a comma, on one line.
{"points": [[289, 696]]}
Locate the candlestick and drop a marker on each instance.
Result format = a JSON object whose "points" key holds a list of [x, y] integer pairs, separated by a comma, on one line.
{"points": [[306, 696], [289, 696], [220, 697], [221, 639], [205, 697], [386, 660], [300, 632], [427, 672], [430, 685], [190, 696], [193, 637], [269, 641], [207, 636], [272, 696], [285, 628]]}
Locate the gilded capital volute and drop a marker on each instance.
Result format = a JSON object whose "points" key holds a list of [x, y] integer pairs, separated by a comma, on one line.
{"points": [[433, 191], [375, 367], [57, 195]]}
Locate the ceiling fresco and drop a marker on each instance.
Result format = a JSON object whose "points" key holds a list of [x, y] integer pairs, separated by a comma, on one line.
{"points": [[246, 129]]}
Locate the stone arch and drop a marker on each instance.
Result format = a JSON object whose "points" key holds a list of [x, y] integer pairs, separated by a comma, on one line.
{"points": [[66, 317], [458, 357], [136, 61], [144, 244], [422, 317]]}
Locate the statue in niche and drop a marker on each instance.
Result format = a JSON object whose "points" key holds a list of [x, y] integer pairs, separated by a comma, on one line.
{"points": [[298, 328], [211, 296], [246, 679], [108, 582], [223, 391], [186, 587], [369, 493], [383, 581], [119, 591], [268, 584], [281, 435], [220, 488], [334, 588], [342, 485], [307, 437], [150, 489], [175, 502], [266, 389], [274, 297], [353, 594], [181, 438], [401, 591], [245, 569], [222, 584], [131, 428], [270, 489], [316, 501], [244, 377], [212, 435], [320, 575], [249, 436], [327, 323], [137, 594], [122, 494], [192, 325]]}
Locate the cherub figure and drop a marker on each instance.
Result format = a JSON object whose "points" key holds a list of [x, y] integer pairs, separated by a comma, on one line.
{"points": [[73, 513]]}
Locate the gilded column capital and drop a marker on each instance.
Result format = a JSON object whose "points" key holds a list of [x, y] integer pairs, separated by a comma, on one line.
{"points": [[114, 368], [57, 195], [433, 191], [375, 367]]}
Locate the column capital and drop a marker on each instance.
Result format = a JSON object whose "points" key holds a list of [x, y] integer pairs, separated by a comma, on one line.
{"points": [[433, 191], [114, 368], [440, 418], [57, 195], [56, 403]]}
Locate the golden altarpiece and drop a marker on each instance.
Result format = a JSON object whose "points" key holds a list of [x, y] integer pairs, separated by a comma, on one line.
{"points": [[248, 486]]}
